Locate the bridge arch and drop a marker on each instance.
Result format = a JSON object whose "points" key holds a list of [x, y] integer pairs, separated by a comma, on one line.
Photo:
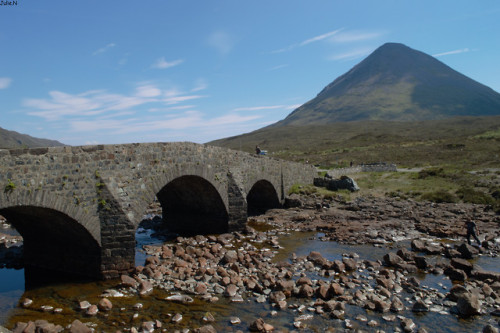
{"points": [[261, 197], [191, 204], [54, 241]]}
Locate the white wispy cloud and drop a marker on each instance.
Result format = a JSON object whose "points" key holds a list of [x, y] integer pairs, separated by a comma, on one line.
{"points": [[161, 63], [451, 52], [320, 37], [278, 67], [104, 49], [200, 84], [308, 41], [147, 91], [222, 41], [61, 105], [5, 82]]}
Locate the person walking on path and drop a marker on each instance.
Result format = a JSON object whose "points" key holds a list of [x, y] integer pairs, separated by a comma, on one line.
{"points": [[472, 231]]}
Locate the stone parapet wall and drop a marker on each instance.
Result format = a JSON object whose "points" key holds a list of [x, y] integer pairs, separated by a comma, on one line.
{"points": [[106, 188]]}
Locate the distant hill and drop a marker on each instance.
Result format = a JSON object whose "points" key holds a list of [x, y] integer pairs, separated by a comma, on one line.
{"points": [[11, 139], [397, 83]]}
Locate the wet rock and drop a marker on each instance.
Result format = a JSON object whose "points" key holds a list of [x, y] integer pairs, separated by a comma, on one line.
{"points": [[230, 257], [128, 281], [462, 264], [420, 306], [397, 305], [147, 327], [350, 264], [455, 274], [305, 291], [421, 262], [485, 275], [392, 259], [468, 305], [260, 326], [276, 297], [405, 254], [467, 251], [84, 305], [105, 305], [317, 258], [490, 329], [417, 245], [335, 290], [230, 290], [180, 299], [145, 287], [79, 327], [205, 329], [381, 306], [26, 302], [408, 325], [92, 310], [177, 318], [456, 291]]}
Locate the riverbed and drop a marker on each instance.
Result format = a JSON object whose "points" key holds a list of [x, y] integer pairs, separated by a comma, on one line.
{"points": [[59, 303]]}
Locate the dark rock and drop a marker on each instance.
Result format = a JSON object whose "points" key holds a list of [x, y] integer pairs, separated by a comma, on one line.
{"points": [[408, 325], [392, 259], [462, 264], [468, 305], [485, 275], [317, 258], [350, 264], [455, 274], [455, 292], [420, 306], [490, 329], [421, 262], [260, 326], [397, 305], [467, 251], [417, 245], [405, 254]]}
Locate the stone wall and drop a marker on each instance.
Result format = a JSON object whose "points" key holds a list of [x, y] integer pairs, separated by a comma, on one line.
{"points": [[99, 193]]}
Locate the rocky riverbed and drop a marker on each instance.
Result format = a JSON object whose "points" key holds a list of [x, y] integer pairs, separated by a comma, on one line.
{"points": [[412, 273]]}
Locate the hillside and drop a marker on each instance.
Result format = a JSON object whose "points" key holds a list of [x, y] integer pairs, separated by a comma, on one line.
{"points": [[11, 139], [397, 83], [465, 142]]}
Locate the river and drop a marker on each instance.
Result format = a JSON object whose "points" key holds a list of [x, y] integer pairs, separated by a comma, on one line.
{"points": [[127, 313]]}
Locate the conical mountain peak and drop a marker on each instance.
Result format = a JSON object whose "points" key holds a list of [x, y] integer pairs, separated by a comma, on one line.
{"points": [[397, 83]]}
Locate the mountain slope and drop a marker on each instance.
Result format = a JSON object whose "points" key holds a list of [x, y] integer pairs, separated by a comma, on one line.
{"points": [[397, 83], [11, 139]]}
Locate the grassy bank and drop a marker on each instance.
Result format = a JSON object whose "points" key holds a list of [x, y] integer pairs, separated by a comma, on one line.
{"points": [[434, 184]]}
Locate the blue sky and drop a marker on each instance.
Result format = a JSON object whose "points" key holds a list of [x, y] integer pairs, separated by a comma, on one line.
{"points": [[87, 72]]}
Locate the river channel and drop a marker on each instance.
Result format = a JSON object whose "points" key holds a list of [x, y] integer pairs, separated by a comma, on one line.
{"points": [[127, 312]]}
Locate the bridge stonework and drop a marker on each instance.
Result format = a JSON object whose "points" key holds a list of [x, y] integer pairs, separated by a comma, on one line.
{"points": [[78, 208]]}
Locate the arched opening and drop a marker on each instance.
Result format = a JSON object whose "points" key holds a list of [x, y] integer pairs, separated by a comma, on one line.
{"points": [[191, 205], [262, 196], [55, 246]]}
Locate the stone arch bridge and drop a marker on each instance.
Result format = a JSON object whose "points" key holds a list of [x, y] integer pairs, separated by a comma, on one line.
{"points": [[78, 208]]}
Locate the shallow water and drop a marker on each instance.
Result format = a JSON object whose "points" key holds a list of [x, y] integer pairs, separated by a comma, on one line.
{"points": [[123, 314]]}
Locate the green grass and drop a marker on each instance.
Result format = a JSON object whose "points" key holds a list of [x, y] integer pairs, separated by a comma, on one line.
{"points": [[465, 143]]}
